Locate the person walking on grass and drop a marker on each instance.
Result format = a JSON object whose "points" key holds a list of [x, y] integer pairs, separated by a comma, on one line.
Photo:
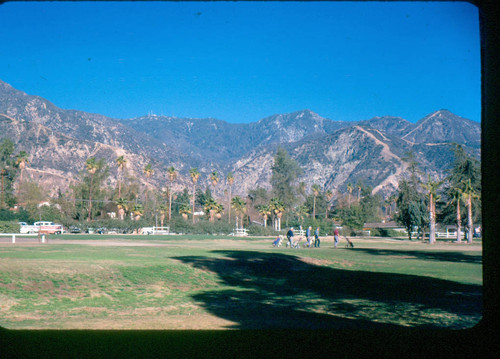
{"points": [[335, 237], [289, 236], [308, 236], [316, 238]]}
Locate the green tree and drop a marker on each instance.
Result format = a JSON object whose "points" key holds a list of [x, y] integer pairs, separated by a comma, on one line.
{"points": [[8, 172], [411, 202], [239, 206], [230, 182], [277, 209], [122, 205], [89, 193], [431, 188], [285, 172], [264, 211], [465, 183]]}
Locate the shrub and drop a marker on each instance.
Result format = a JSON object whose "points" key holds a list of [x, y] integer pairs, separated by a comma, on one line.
{"points": [[9, 227], [382, 232]]}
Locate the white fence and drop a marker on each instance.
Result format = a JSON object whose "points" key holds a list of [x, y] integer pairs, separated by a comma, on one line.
{"points": [[14, 235]]}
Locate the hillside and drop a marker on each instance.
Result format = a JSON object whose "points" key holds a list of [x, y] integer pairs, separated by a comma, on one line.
{"points": [[331, 153]]}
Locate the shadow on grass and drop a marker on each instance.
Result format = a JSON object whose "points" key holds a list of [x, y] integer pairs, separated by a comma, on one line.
{"points": [[456, 257], [272, 290]]}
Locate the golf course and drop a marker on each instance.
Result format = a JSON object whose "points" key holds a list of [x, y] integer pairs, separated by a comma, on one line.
{"points": [[216, 282]]}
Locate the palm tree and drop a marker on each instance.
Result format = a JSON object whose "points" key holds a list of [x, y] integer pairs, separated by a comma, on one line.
{"points": [[469, 193], [431, 187], [214, 178], [163, 210], [315, 189], [148, 171], [195, 175], [184, 210], [359, 186], [138, 211], [219, 210], [239, 207], [21, 162], [329, 197], [211, 208], [91, 166], [230, 181], [349, 189], [121, 203], [301, 212], [457, 196], [264, 211], [277, 207], [172, 176], [121, 163]]}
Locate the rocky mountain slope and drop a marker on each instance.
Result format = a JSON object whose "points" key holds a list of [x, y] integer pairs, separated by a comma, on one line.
{"points": [[331, 153]]}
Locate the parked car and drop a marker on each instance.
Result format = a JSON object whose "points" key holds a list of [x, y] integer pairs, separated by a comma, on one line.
{"points": [[75, 229]]}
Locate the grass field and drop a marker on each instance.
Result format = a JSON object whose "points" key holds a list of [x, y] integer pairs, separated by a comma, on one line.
{"points": [[210, 282]]}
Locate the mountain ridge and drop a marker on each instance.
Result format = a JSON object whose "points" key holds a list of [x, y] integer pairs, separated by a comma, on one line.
{"points": [[332, 153]]}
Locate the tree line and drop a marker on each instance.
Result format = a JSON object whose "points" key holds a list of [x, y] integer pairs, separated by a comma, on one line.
{"points": [[417, 205]]}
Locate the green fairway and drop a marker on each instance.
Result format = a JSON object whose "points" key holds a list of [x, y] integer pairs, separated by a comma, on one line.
{"points": [[211, 282]]}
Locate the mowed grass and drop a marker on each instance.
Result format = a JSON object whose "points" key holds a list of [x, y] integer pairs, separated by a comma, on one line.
{"points": [[113, 282]]}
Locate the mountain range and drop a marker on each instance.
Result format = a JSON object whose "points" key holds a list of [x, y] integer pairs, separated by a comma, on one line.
{"points": [[331, 153]]}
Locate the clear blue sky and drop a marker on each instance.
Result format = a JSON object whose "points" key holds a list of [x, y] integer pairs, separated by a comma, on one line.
{"points": [[243, 61]]}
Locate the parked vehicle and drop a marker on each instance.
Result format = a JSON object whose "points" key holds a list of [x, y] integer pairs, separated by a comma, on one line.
{"points": [[156, 230], [49, 227], [26, 228], [75, 230], [41, 227]]}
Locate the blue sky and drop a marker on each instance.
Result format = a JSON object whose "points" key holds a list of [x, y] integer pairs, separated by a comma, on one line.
{"points": [[243, 61]]}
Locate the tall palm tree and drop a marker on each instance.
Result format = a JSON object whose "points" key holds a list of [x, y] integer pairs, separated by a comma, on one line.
{"points": [[214, 178], [230, 181], [172, 176], [148, 171], [121, 203], [239, 208], [264, 211], [91, 166], [121, 162], [470, 193], [315, 189], [349, 189], [195, 175], [431, 187], [329, 197], [457, 196], [22, 159], [277, 207], [163, 210], [359, 186]]}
